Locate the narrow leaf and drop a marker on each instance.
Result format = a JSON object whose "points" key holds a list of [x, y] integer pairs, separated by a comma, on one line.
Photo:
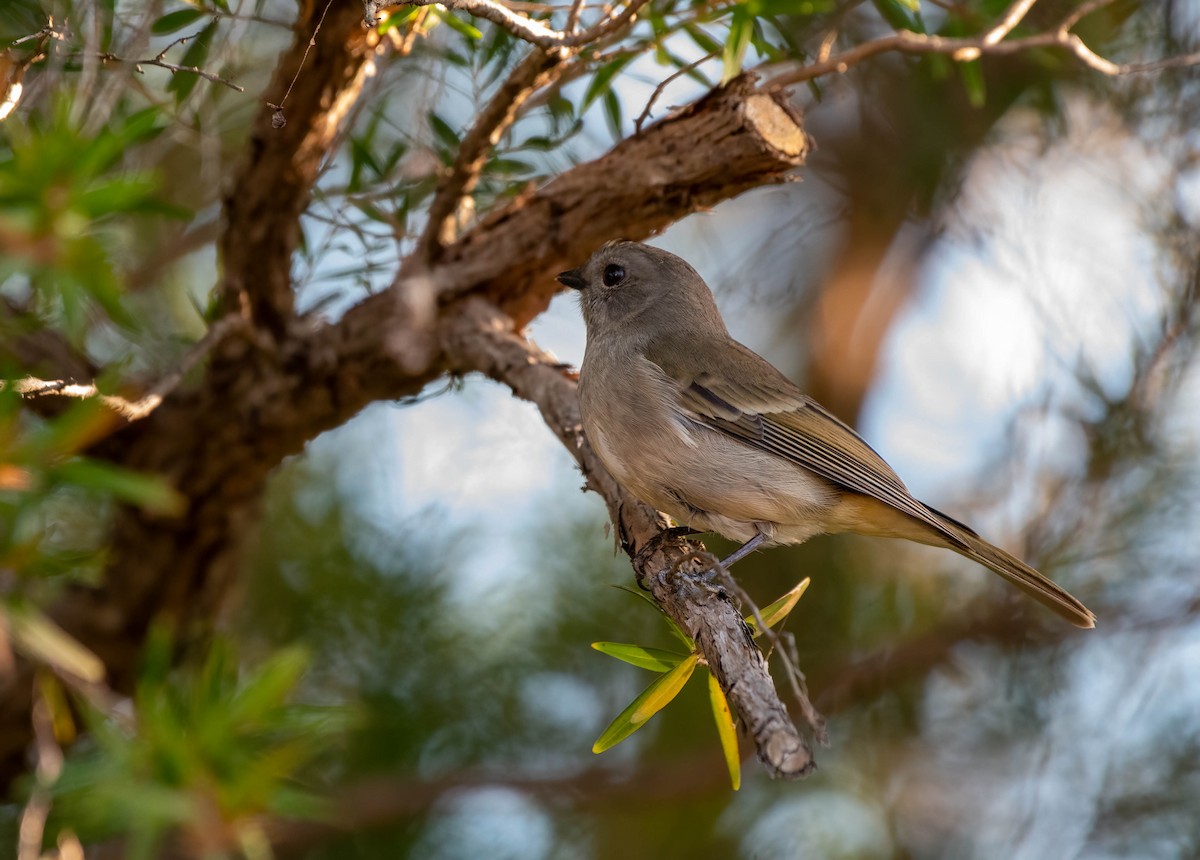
{"points": [[741, 29], [652, 700], [726, 731], [972, 78], [654, 659], [176, 20], [40, 639], [459, 25], [148, 492], [779, 610], [602, 81], [445, 133]]}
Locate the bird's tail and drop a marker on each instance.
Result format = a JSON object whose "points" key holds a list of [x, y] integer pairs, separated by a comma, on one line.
{"points": [[1024, 577]]}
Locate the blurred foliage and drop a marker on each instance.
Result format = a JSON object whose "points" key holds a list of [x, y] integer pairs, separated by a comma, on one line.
{"points": [[205, 753], [386, 670]]}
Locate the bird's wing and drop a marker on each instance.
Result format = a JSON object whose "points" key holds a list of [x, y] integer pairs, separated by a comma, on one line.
{"points": [[752, 401]]}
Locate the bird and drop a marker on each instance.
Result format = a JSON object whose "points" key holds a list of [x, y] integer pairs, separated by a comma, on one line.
{"points": [[702, 428]]}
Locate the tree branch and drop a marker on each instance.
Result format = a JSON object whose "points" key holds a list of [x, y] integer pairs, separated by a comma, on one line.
{"points": [[733, 139], [533, 31], [530, 75], [272, 187], [991, 43]]}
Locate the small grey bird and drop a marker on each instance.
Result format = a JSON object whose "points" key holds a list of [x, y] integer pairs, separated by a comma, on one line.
{"points": [[700, 427]]}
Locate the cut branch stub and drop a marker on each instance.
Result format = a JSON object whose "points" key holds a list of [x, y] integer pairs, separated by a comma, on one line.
{"points": [[733, 139]]}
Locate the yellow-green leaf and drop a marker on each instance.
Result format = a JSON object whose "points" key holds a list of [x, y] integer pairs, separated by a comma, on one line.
{"points": [[777, 611], [654, 659], [652, 700], [40, 639], [726, 731]]}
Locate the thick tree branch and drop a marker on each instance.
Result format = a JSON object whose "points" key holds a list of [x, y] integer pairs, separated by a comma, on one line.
{"points": [[264, 202]]}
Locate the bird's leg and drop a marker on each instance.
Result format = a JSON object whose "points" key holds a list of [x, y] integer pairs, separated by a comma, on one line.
{"points": [[743, 550]]}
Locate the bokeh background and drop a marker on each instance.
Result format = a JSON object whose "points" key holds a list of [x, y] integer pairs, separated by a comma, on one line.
{"points": [[997, 283]]}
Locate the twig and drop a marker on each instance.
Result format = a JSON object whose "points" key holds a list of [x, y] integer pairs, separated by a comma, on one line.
{"points": [[658, 91], [796, 679], [497, 116], [573, 16], [49, 766], [1012, 17], [991, 43], [278, 120], [173, 68], [130, 410], [535, 32]]}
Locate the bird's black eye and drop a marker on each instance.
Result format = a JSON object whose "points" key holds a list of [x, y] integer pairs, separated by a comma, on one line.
{"points": [[613, 275]]}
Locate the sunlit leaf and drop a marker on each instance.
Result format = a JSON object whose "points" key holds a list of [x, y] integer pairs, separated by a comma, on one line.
{"points": [[741, 30], [652, 700], [41, 640], [654, 659], [726, 731], [778, 610], [459, 25]]}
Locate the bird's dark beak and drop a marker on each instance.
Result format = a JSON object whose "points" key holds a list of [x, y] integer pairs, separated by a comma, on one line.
{"points": [[572, 279]]}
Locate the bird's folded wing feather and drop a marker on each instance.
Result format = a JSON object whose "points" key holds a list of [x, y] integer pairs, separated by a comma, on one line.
{"points": [[752, 401]]}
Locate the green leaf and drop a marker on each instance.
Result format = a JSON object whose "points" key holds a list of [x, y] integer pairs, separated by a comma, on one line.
{"points": [[612, 113], [270, 686], [897, 13], [176, 20], [703, 40], [148, 492], [601, 82], [444, 132], [40, 639], [972, 78], [726, 731], [507, 166], [779, 609], [458, 24], [741, 30], [654, 659], [652, 700]]}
